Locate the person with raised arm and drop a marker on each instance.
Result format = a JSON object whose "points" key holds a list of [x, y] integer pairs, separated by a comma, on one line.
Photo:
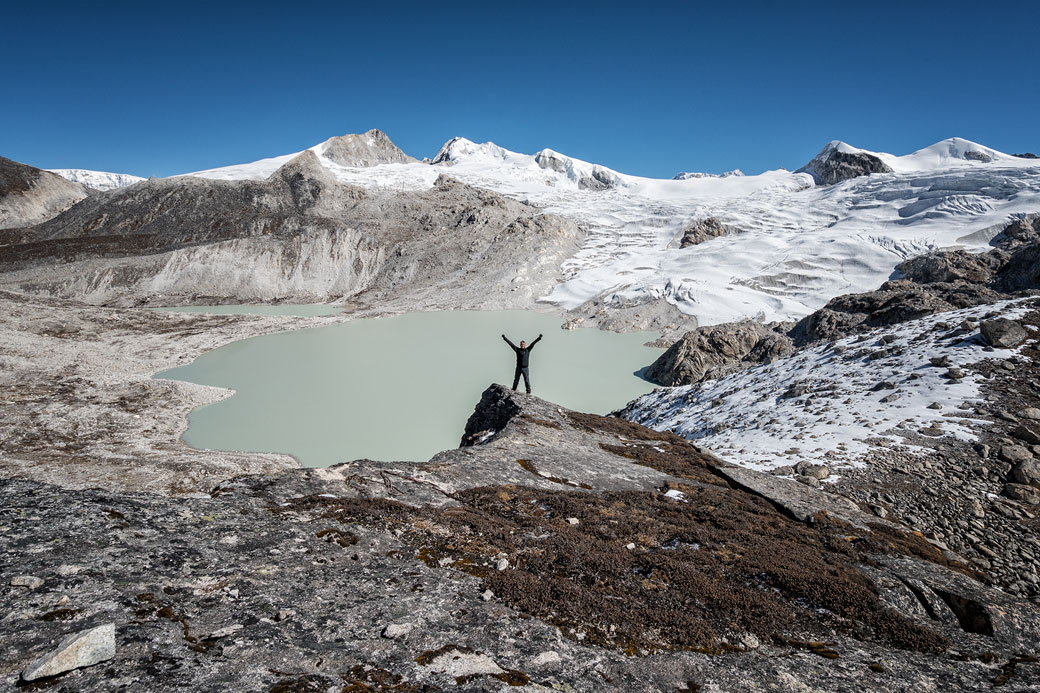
{"points": [[523, 361]]}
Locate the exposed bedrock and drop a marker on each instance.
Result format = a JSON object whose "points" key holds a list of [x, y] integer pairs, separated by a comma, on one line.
{"points": [[29, 195], [300, 235], [832, 165], [711, 352], [696, 232], [563, 551], [368, 149]]}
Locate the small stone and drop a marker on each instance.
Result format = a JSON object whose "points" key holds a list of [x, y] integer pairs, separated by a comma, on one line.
{"points": [[397, 630], [954, 374], [83, 649], [66, 570], [977, 509], [29, 581], [546, 658], [884, 385], [487, 595], [889, 398], [808, 481], [573, 521], [748, 641], [502, 564], [940, 361], [935, 405], [816, 471], [630, 546], [879, 511], [286, 614]]}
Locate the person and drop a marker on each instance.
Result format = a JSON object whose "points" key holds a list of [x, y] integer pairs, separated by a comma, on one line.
{"points": [[523, 361]]}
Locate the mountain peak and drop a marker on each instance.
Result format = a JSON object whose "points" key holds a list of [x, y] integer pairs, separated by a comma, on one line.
{"points": [[839, 161], [367, 149]]}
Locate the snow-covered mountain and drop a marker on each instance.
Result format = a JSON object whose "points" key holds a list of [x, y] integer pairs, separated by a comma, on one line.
{"points": [[795, 243], [97, 180]]}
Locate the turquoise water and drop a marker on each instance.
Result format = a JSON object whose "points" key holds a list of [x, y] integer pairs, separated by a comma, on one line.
{"points": [[398, 388]]}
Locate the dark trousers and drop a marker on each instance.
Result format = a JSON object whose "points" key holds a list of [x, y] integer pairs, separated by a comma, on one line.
{"points": [[526, 372]]}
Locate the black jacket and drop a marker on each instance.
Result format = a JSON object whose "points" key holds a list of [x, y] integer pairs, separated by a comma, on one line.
{"points": [[523, 356]]}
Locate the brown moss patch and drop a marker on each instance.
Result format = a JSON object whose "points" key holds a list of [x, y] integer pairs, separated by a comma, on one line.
{"points": [[371, 679], [60, 615], [339, 536], [725, 562], [540, 422]]}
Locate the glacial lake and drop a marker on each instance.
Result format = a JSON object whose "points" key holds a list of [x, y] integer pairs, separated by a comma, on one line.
{"points": [[397, 388]]}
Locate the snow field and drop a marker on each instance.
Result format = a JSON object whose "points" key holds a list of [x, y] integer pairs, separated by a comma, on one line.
{"points": [[823, 404]]}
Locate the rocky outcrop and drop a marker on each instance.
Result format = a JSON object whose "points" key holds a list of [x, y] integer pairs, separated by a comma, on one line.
{"points": [[696, 232], [932, 283], [301, 236], [837, 162], [587, 176], [710, 352], [29, 195], [570, 551], [369, 149], [895, 302]]}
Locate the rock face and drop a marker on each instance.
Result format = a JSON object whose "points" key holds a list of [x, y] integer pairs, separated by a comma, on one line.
{"points": [[30, 195], [833, 165], [300, 235], [83, 649], [369, 149], [697, 232], [710, 352], [566, 550]]}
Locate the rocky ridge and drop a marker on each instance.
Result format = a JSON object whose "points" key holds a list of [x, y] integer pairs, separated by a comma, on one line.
{"points": [[29, 195], [299, 236]]}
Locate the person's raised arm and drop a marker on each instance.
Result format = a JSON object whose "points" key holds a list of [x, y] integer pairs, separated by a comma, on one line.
{"points": [[508, 342], [535, 342]]}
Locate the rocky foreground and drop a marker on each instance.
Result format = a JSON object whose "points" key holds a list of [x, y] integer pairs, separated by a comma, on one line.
{"points": [[553, 550]]}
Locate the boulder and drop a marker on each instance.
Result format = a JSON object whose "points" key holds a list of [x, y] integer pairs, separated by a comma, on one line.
{"points": [[83, 649], [1029, 435], [709, 352], [1003, 333], [1015, 454], [1021, 271], [1021, 492], [1026, 472]]}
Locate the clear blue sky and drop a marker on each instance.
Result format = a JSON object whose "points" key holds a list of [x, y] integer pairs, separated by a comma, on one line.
{"points": [[645, 88]]}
